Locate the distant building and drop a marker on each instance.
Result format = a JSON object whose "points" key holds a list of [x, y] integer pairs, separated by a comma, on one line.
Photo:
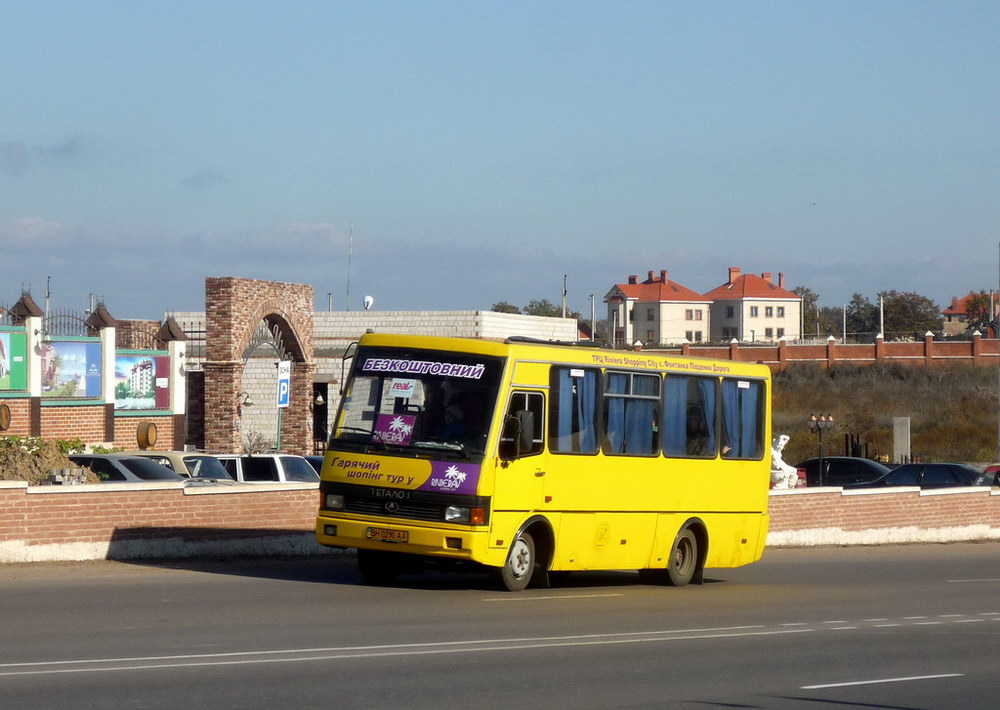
{"points": [[657, 312], [753, 308], [956, 316]]}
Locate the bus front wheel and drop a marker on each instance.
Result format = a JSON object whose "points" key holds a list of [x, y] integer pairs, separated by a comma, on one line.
{"points": [[378, 567], [516, 572]]}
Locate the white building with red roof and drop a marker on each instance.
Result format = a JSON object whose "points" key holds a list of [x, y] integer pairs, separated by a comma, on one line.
{"points": [[753, 308], [657, 312]]}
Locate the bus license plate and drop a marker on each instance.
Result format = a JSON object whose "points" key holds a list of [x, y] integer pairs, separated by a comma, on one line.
{"points": [[386, 535]]}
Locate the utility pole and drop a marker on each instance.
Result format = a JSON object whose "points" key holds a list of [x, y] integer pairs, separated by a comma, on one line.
{"points": [[564, 297], [350, 251], [593, 319]]}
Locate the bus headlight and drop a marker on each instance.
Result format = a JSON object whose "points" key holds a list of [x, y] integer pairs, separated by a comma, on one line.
{"points": [[334, 501], [458, 514]]}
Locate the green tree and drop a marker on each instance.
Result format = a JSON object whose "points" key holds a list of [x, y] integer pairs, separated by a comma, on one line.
{"points": [[978, 311], [810, 299], [544, 307], [909, 314], [504, 307], [862, 317]]}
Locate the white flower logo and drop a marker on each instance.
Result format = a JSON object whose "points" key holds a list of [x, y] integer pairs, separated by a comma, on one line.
{"points": [[398, 425], [453, 474]]}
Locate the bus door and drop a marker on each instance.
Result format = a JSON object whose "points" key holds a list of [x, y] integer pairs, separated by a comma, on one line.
{"points": [[520, 476]]}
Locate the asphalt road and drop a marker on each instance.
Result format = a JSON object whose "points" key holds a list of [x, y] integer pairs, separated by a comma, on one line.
{"points": [[890, 627]]}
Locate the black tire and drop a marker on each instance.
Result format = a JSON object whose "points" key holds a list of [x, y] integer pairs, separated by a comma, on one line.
{"points": [[683, 560], [681, 564], [377, 567], [515, 575]]}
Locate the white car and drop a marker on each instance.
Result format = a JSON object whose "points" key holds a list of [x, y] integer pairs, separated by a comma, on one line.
{"points": [[268, 468]]}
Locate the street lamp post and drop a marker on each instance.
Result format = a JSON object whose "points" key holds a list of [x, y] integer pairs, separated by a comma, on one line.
{"points": [[818, 426]]}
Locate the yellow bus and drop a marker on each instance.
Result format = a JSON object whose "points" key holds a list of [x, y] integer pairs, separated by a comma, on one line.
{"points": [[534, 458]]}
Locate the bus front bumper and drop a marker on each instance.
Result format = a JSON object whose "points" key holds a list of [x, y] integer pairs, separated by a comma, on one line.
{"points": [[398, 536]]}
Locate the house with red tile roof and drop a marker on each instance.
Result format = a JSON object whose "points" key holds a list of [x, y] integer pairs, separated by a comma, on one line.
{"points": [[956, 316], [752, 308], [657, 312]]}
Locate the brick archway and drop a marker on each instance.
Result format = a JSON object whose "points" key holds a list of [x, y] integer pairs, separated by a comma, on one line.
{"points": [[234, 308]]}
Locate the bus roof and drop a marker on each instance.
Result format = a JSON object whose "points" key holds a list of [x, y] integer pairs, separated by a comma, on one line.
{"points": [[570, 354]]}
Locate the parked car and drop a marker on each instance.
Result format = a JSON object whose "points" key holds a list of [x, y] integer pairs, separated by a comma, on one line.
{"points": [[268, 468], [190, 464], [841, 470], [121, 467], [931, 475]]}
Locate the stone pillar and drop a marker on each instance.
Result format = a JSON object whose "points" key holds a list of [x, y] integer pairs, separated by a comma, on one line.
{"points": [[222, 385], [929, 349]]}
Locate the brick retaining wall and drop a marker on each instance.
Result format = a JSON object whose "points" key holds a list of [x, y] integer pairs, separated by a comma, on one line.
{"points": [[126, 521]]}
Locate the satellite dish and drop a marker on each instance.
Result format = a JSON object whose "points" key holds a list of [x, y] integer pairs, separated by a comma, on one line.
{"points": [[368, 302]]}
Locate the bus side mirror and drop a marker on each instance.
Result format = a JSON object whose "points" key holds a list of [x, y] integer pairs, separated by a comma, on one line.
{"points": [[517, 435]]}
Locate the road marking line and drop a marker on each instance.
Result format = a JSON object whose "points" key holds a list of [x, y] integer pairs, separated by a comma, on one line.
{"points": [[882, 680], [928, 623], [448, 647], [885, 626], [964, 581], [909, 618], [842, 628], [969, 621], [870, 620], [513, 598], [840, 621]]}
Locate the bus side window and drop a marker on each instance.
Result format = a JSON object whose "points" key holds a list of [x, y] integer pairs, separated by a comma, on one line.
{"points": [[573, 423], [742, 419], [525, 411], [690, 408]]}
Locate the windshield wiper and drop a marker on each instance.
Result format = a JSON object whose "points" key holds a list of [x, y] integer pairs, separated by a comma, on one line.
{"points": [[370, 441], [450, 446]]}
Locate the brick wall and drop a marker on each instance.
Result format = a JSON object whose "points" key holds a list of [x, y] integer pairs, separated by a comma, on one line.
{"points": [[832, 516], [20, 416], [122, 521], [926, 353], [126, 432], [70, 422]]}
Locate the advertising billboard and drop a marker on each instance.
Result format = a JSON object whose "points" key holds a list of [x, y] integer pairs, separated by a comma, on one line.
{"points": [[141, 381], [13, 363], [71, 368]]}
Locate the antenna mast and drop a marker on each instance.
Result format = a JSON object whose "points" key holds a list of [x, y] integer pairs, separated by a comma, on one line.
{"points": [[350, 251]]}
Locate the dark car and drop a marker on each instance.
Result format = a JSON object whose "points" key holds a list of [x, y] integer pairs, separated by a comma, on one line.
{"points": [[316, 462], [112, 468], [841, 470], [930, 475]]}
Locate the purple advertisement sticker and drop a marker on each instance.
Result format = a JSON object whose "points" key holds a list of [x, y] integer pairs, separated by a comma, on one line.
{"points": [[394, 428], [451, 477]]}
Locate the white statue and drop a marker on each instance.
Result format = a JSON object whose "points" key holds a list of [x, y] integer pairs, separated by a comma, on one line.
{"points": [[783, 476]]}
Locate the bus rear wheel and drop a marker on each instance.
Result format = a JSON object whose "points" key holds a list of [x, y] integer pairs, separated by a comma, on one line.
{"points": [[682, 563], [378, 567], [516, 572]]}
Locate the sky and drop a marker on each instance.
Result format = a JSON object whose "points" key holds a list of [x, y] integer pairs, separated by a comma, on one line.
{"points": [[450, 155]]}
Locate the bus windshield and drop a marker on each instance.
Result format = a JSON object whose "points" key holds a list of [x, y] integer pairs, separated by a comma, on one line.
{"points": [[418, 402]]}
